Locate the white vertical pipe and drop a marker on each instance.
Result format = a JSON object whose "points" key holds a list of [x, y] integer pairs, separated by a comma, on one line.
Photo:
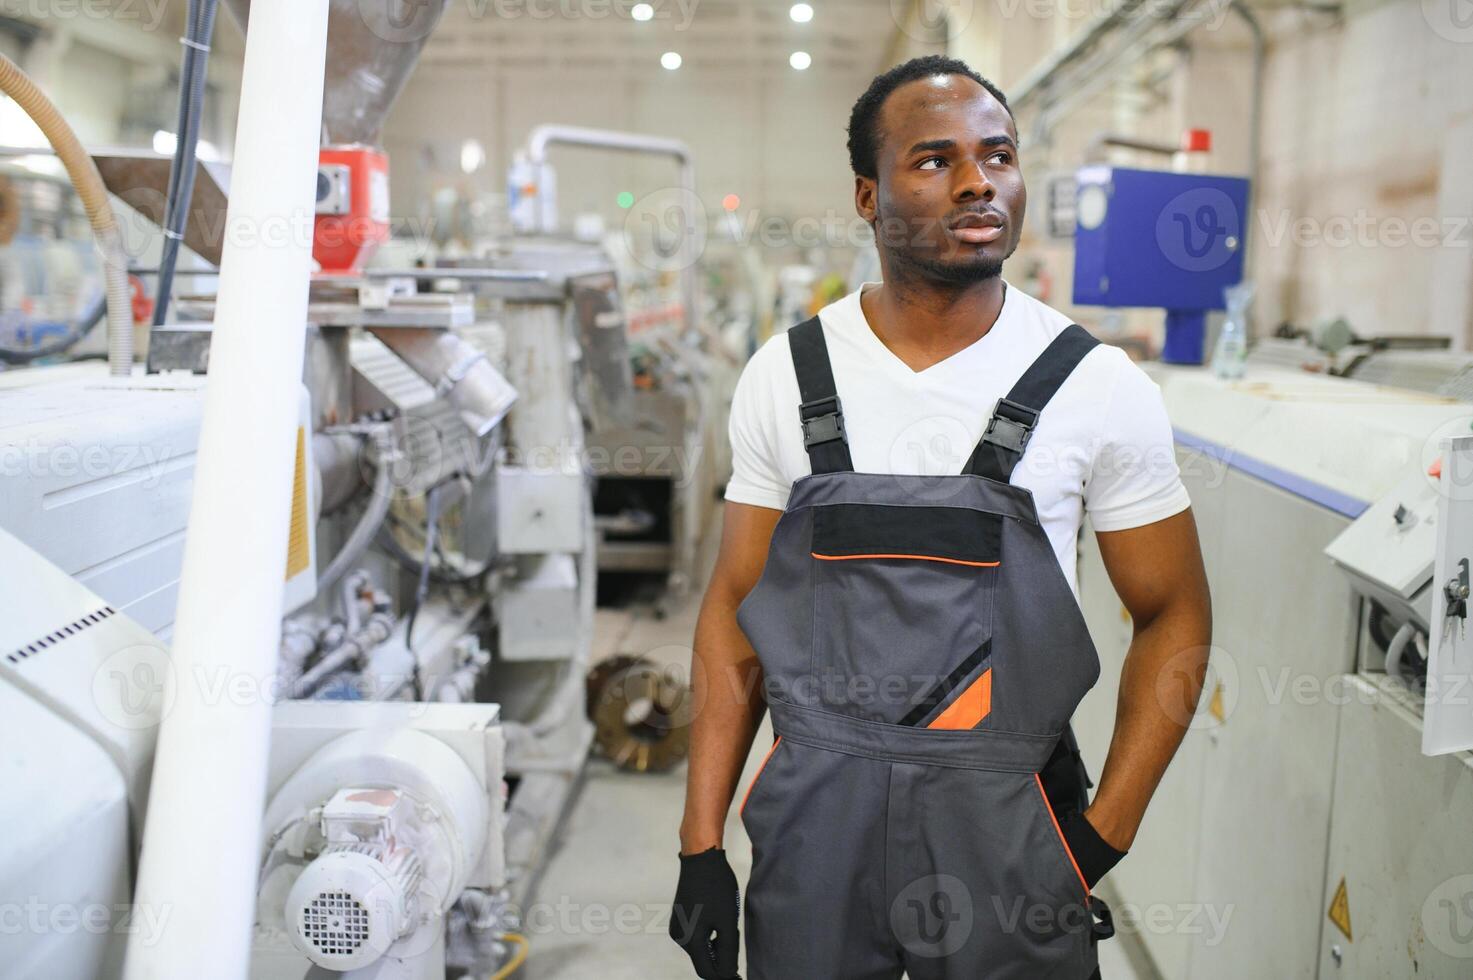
{"points": [[202, 832]]}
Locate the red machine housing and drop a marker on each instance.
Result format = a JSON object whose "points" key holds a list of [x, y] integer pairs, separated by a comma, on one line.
{"points": [[352, 207]]}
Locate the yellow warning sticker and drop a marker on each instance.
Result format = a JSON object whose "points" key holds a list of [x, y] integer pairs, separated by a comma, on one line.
{"points": [[1216, 706], [1340, 910], [298, 545]]}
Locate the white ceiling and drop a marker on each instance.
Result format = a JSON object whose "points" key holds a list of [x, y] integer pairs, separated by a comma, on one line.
{"points": [[740, 37]]}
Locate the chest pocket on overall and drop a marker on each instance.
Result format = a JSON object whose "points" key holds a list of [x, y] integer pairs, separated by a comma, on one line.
{"points": [[902, 591], [904, 587], [903, 599]]}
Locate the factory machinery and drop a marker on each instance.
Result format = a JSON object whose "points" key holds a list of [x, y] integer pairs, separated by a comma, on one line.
{"points": [[1315, 822], [297, 618]]}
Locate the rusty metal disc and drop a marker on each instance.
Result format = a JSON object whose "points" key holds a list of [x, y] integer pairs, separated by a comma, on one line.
{"points": [[640, 712]]}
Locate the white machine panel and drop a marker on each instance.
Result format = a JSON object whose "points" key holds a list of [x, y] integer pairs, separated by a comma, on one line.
{"points": [[1448, 723], [1400, 843], [97, 473], [1231, 855], [473, 731], [85, 661], [1392, 543], [97, 478], [1356, 441], [539, 510], [64, 855], [537, 612]]}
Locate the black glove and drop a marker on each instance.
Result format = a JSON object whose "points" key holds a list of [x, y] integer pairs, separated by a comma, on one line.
{"points": [[1094, 855], [707, 900]]}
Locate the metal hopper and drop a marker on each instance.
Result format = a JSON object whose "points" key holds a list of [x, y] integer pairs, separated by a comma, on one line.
{"points": [[372, 46]]}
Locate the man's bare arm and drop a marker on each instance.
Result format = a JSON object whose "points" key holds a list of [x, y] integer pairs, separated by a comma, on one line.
{"points": [[1157, 571], [726, 678]]}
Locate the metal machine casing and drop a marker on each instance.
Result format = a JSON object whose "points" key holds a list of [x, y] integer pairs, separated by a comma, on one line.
{"points": [[1447, 723], [1157, 238], [99, 476], [472, 731], [83, 449], [352, 207], [1398, 845], [1278, 466], [66, 852], [82, 688]]}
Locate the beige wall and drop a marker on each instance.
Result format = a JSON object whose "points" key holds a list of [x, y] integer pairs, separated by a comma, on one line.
{"points": [[1366, 140], [776, 142], [1369, 122]]}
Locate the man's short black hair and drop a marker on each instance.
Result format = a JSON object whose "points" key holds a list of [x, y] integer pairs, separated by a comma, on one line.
{"points": [[864, 139]]}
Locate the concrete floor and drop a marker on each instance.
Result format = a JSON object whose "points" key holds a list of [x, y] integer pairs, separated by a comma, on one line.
{"points": [[601, 909]]}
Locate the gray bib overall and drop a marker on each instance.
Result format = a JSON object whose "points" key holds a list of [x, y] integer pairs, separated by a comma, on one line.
{"points": [[923, 655]]}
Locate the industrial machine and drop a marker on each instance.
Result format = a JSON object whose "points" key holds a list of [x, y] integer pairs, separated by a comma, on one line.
{"points": [[657, 472], [361, 773], [1335, 564], [1162, 239]]}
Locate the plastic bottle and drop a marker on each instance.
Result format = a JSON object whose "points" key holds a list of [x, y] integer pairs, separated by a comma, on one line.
{"points": [[521, 194], [1231, 352]]}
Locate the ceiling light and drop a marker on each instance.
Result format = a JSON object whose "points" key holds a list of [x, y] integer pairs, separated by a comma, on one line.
{"points": [[670, 59], [801, 13], [800, 60], [472, 156], [642, 11]]}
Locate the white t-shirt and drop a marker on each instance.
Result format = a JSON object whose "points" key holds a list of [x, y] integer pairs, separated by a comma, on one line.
{"points": [[1103, 443]]}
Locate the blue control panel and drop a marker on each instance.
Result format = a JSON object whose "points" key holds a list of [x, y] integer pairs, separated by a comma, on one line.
{"points": [[1157, 238]]}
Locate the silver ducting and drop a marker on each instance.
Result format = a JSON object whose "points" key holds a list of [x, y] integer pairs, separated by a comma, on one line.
{"points": [[372, 46]]}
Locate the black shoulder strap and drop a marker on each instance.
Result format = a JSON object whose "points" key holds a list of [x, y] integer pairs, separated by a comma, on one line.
{"points": [[1013, 419], [820, 413]]}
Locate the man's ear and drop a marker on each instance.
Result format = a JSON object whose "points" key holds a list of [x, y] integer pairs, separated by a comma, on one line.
{"points": [[866, 190]]}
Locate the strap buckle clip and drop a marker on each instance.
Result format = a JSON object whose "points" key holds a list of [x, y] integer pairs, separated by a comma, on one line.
{"points": [[1011, 425], [821, 426]]}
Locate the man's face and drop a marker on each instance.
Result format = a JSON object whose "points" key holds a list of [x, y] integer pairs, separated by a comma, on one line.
{"points": [[949, 199]]}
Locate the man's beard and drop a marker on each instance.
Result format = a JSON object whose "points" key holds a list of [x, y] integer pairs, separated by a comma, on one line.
{"points": [[926, 263], [953, 273]]}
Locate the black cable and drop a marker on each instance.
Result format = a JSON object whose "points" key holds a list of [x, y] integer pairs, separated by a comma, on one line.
{"points": [[193, 75], [90, 319], [396, 551], [422, 592], [176, 167]]}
